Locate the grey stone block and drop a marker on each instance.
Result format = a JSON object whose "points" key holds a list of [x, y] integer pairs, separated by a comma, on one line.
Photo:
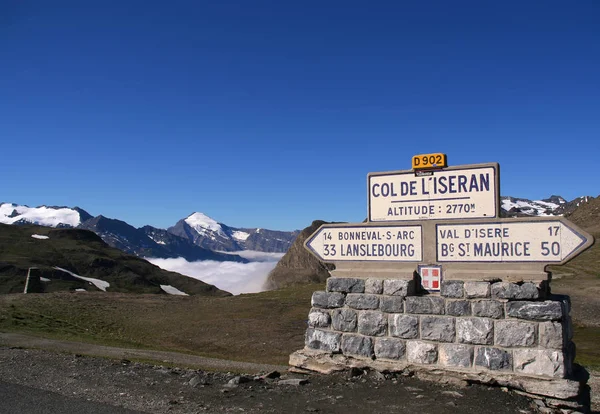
{"points": [[391, 304], [477, 290], [345, 285], [504, 290], [565, 300], [404, 326], [433, 305], [357, 345], [372, 323], [452, 289], [398, 287], [362, 301], [488, 309], [546, 362], [318, 318], [529, 290], [344, 320], [551, 335], [475, 331], [493, 359], [374, 286], [535, 311], [421, 352], [513, 291], [455, 355], [515, 333], [323, 340], [458, 307], [390, 348], [438, 328], [322, 299]]}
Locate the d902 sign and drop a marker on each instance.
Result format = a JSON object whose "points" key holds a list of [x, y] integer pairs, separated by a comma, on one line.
{"points": [[429, 161]]}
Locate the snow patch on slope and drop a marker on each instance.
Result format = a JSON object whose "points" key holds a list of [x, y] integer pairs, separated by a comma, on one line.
{"points": [[100, 284], [172, 290], [40, 237], [43, 216], [240, 235], [537, 207]]}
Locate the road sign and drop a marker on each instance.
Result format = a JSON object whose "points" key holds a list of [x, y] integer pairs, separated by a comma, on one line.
{"points": [[358, 242], [469, 191], [506, 240], [429, 161]]}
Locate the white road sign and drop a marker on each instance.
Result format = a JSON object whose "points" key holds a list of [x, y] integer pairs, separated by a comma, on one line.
{"points": [[357, 242], [469, 191], [549, 241]]}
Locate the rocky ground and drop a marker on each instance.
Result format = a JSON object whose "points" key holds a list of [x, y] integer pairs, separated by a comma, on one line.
{"points": [[146, 387]]}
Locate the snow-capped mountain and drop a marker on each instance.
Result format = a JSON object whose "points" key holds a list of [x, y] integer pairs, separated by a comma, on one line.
{"points": [[115, 233], [513, 206], [49, 216], [149, 241], [206, 232], [552, 206]]}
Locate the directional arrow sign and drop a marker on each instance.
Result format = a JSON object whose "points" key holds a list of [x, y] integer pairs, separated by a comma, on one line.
{"points": [[524, 241], [358, 242]]}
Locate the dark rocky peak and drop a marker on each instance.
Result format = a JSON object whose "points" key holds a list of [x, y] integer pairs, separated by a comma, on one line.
{"points": [[555, 199]]}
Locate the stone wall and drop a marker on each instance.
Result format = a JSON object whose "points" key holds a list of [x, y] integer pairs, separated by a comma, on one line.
{"points": [[472, 326]]}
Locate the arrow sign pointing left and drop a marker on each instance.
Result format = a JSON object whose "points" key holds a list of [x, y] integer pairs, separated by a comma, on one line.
{"points": [[360, 242]]}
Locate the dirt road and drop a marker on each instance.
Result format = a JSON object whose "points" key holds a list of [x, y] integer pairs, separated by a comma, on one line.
{"points": [[162, 388]]}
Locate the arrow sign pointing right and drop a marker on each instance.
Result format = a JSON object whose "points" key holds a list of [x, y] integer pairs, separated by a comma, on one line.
{"points": [[360, 242], [524, 241]]}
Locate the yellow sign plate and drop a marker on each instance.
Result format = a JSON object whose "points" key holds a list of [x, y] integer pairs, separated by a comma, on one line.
{"points": [[429, 161]]}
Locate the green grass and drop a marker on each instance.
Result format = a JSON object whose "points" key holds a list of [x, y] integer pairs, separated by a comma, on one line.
{"points": [[264, 327], [587, 341]]}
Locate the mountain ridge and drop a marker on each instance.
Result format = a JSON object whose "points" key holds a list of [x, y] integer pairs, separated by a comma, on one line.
{"points": [[200, 237]]}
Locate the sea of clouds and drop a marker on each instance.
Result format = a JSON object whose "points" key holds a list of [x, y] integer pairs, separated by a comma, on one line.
{"points": [[230, 276]]}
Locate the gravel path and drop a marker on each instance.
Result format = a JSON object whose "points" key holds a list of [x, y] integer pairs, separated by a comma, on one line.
{"points": [[158, 388]]}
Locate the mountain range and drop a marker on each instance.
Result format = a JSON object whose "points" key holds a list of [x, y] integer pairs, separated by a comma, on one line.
{"points": [[199, 237], [196, 237]]}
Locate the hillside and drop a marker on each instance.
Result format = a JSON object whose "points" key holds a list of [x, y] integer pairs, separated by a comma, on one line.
{"points": [[298, 266], [587, 215], [84, 254]]}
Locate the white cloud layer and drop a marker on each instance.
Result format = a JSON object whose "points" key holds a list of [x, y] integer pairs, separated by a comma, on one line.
{"points": [[230, 276], [256, 256]]}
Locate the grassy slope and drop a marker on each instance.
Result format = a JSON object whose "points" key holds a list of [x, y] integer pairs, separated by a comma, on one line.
{"points": [[264, 327], [85, 254]]}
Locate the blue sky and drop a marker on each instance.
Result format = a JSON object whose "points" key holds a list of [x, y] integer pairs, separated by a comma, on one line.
{"points": [[271, 114]]}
